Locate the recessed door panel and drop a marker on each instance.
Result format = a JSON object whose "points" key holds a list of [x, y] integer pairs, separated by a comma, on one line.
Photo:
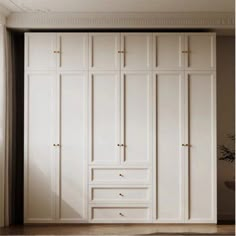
{"points": [[136, 115], [136, 51], [105, 128], [73, 49], [104, 49], [40, 152], [169, 150], [72, 151], [40, 51], [201, 153], [168, 51], [201, 51]]}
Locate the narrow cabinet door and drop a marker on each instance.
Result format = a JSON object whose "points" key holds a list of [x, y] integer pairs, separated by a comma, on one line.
{"points": [[200, 51], [104, 111], [40, 51], [104, 51], [168, 51], [169, 87], [136, 117], [73, 51], [40, 149], [73, 195], [136, 51], [201, 153]]}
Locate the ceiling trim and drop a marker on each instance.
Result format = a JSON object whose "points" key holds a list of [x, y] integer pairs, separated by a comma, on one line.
{"points": [[121, 20]]}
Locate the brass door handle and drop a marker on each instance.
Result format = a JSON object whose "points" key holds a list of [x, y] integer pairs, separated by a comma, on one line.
{"points": [[121, 51], [185, 51], [186, 145]]}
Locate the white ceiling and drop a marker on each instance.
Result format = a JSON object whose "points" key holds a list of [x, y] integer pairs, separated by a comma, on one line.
{"points": [[118, 5]]}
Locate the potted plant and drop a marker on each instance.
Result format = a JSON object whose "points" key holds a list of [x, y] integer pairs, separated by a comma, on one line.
{"points": [[228, 154]]}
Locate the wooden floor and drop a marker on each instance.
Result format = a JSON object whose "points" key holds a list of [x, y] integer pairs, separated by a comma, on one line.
{"points": [[120, 229]]}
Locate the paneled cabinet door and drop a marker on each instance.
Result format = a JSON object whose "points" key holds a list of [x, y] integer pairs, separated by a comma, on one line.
{"points": [[40, 152], [40, 51], [200, 51], [73, 195], [104, 121], [136, 51], [136, 117], [168, 51], [169, 150], [201, 155], [72, 51], [104, 51]]}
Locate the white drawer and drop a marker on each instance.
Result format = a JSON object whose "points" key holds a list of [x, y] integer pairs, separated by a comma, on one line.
{"points": [[120, 175], [120, 194], [119, 214]]}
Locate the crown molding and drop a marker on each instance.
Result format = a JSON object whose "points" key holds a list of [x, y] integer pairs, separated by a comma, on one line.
{"points": [[4, 12], [121, 20]]}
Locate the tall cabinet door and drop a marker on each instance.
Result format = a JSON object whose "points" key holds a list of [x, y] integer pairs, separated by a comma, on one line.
{"points": [[169, 178], [201, 153], [72, 165], [104, 112], [136, 118], [40, 149]]}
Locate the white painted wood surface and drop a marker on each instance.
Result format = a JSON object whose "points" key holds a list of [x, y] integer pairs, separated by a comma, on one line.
{"points": [[118, 107], [73, 51], [168, 49], [169, 150], [72, 165], [201, 155], [40, 159]]}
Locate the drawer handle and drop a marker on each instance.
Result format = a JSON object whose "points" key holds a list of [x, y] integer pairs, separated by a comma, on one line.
{"points": [[121, 194], [121, 175], [121, 214]]}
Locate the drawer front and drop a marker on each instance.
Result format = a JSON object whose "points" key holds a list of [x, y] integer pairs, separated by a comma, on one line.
{"points": [[120, 176], [127, 214], [117, 194]]}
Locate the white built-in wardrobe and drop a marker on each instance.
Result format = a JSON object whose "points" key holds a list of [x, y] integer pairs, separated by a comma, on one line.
{"points": [[120, 128]]}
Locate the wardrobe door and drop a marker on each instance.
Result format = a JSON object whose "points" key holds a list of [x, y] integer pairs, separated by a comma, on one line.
{"points": [[136, 51], [167, 48], [169, 179], [136, 118], [40, 51], [104, 121], [104, 51], [73, 51], [201, 158], [200, 51], [73, 195], [39, 148]]}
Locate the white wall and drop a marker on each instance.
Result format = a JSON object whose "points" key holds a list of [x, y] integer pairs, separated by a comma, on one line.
{"points": [[225, 121]]}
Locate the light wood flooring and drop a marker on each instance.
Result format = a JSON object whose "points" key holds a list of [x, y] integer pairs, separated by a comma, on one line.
{"points": [[120, 229]]}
